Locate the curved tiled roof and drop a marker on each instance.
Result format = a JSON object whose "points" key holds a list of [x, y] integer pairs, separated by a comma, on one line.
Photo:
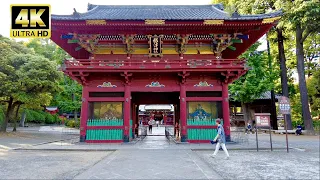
{"points": [[164, 12]]}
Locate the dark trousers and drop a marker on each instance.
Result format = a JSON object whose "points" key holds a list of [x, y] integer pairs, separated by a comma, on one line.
{"points": [[150, 128]]}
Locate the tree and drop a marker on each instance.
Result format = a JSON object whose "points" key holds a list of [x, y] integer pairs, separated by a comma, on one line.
{"points": [[69, 99], [312, 53], [313, 84], [304, 17], [264, 6], [24, 76], [255, 82]]}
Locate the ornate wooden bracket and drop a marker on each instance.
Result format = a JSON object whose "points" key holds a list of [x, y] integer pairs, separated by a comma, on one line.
{"points": [[231, 76], [182, 40], [129, 41], [183, 76], [83, 79], [224, 41], [226, 75], [86, 41], [127, 79]]}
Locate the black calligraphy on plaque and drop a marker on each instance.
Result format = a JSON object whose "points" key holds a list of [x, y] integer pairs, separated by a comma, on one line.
{"points": [[155, 45]]}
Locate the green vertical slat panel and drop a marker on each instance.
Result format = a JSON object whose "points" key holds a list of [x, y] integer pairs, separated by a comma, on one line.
{"points": [[109, 134], [88, 135], [113, 134], [98, 133], [116, 137], [91, 134], [196, 134]]}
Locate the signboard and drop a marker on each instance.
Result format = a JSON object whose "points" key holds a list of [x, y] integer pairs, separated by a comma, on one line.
{"points": [[30, 21], [284, 105], [262, 119], [155, 46]]}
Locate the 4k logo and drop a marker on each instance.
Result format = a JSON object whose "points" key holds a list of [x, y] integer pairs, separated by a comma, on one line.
{"points": [[30, 21]]}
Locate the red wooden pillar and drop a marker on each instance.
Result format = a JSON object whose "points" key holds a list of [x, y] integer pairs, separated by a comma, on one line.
{"points": [[84, 114], [126, 115], [183, 113], [225, 110]]}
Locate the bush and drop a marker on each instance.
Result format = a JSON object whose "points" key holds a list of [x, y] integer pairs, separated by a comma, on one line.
{"points": [[72, 123], [2, 115], [35, 116], [296, 122], [316, 125], [50, 119]]}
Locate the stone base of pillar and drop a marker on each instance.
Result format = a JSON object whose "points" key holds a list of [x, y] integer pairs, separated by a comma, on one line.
{"points": [[82, 138], [184, 138], [228, 138], [125, 138]]}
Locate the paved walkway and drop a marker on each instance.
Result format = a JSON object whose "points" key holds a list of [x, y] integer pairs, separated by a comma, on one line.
{"points": [[155, 157], [150, 164]]}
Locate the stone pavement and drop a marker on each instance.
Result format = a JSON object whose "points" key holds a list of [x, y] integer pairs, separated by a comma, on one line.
{"points": [[155, 157], [32, 136], [151, 164]]}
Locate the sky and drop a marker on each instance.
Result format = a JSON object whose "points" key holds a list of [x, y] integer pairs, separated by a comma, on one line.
{"points": [[65, 7]]}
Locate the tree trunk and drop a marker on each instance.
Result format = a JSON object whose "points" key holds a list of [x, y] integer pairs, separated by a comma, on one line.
{"points": [[302, 80], [273, 109], [283, 68], [15, 118], [7, 116], [23, 118], [246, 113]]}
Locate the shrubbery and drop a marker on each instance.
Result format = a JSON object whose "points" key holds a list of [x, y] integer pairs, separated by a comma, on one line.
{"points": [[33, 116], [72, 123], [1, 114]]}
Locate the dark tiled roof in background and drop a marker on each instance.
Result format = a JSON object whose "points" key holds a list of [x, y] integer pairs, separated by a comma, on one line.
{"points": [[165, 12], [266, 95]]}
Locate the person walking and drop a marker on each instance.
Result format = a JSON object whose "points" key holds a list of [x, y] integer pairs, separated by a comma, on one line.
{"points": [[221, 140], [150, 125]]}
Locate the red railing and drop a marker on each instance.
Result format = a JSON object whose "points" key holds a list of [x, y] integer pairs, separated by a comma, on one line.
{"points": [[150, 63]]}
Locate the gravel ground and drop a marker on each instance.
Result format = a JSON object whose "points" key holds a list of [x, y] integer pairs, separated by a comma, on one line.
{"points": [[46, 165], [265, 164]]}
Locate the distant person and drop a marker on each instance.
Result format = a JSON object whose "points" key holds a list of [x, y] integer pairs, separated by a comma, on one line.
{"points": [[299, 130], [220, 139], [150, 125], [249, 128], [157, 122]]}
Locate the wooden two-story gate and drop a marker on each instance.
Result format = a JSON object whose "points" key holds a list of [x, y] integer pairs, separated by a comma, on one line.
{"points": [[183, 55]]}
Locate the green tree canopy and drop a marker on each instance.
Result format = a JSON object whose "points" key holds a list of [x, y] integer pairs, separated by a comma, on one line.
{"points": [[24, 75]]}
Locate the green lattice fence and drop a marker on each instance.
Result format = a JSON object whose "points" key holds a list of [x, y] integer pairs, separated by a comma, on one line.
{"points": [[105, 122], [203, 133], [210, 122], [105, 133], [130, 132]]}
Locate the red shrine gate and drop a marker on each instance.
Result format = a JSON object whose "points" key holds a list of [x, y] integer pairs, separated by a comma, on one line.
{"points": [[130, 55]]}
